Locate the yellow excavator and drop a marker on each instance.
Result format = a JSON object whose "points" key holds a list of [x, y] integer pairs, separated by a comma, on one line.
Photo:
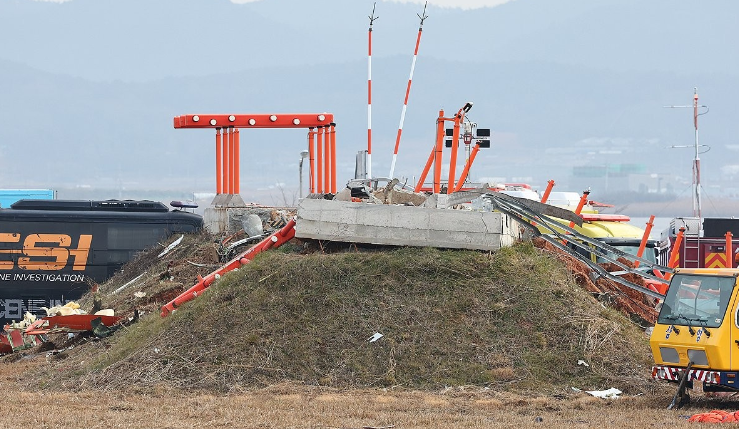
{"points": [[696, 337]]}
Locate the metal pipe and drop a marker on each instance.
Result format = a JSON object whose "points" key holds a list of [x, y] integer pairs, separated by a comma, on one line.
{"points": [[425, 172], [550, 185], [580, 205], [319, 159], [644, 238], [311, 160], [455, 143], [333, 158], [237, 163], [226, 161], [467, 166], [219, 186], [440, 133], [728, 250]]}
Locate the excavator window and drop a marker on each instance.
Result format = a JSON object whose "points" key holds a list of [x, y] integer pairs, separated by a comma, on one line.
{"points": [[697, 300]]}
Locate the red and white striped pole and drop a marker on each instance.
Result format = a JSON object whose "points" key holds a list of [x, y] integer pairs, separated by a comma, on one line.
{"points": [[372, 19], [407, 92]]}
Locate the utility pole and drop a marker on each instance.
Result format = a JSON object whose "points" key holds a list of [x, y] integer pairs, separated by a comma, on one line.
{"points": [[303, 155], [696, 160]]}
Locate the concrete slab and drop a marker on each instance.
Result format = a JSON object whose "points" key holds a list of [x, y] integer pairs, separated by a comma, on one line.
{"points": [[404, 225]]}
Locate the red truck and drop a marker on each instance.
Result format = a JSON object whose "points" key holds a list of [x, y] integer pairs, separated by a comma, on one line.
{"points": [[703, 244]]}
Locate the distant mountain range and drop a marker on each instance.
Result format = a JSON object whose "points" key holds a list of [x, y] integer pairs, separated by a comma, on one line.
{"points": [[88, 88]]}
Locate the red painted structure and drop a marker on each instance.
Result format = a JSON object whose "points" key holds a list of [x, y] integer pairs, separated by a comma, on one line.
{"points": [[700, 243], [436, 154], [321, 128], [277, 239]]}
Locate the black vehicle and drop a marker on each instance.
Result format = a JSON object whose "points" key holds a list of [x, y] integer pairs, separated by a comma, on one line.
{"points": [[52, 251]]}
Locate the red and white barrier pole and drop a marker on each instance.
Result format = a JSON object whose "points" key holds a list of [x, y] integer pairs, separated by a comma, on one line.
{"points": [[372, 19], [407, 93]]}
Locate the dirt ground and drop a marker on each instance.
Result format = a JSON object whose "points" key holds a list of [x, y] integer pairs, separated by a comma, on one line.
{"points": [[296, 406]]}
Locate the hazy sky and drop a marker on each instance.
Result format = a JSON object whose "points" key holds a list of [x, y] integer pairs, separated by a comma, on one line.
{"points": [[462, 4], [561, 84]]}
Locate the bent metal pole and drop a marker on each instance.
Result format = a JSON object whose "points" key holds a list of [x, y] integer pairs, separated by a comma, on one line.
{"points": [[407, 93]]}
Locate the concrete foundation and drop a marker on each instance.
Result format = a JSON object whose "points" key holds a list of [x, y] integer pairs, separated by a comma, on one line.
{"points": [[405, 225], [230, 220]]}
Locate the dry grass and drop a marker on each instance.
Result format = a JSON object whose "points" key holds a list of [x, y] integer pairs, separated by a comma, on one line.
{"points": [[512, 320], [472, 339], [288, 405]]}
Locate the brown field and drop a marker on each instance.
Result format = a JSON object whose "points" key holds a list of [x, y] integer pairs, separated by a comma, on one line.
{"points": [[294, 406], [510, 326]]}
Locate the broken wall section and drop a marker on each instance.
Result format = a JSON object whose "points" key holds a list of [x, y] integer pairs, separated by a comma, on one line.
{"points": [[396, 225]]}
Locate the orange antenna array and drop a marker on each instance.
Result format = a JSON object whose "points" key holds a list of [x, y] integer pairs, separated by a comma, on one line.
{"points": [[322, 165]]}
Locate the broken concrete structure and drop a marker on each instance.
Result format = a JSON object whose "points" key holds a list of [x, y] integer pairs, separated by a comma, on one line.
{"points": [[230, 220], [400, 225]]}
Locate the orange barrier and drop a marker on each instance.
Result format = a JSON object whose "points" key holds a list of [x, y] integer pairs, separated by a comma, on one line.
{"points": [[580, 205], [275, 240], [545, 197], [467, 165], [675, 253], [436, 152], [729, 255], [715, 416], [644, 239]]}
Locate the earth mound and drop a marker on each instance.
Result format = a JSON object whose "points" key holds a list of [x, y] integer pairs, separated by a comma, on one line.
{"points": [[345, 317]]}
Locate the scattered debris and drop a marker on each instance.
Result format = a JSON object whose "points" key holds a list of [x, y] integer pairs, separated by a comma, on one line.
{"points": [[611, 393], [715, 416], [171, 246], [67, 309], [583, 363], [375, 337], [128, 284]]}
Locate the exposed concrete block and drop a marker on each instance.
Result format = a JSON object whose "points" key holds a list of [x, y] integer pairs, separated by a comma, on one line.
{"points": [[404, 225], [344, 195]]}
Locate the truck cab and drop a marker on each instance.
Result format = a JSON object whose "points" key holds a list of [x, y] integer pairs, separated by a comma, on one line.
{"points": [[698, 330]]}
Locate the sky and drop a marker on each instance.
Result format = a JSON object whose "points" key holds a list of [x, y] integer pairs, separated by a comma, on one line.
{"points": [[560, 83], [459, 4]]}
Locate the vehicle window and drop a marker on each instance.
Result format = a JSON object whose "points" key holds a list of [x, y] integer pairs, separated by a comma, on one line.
{"points": [[694, 300], [648, 254], [133, 236]]}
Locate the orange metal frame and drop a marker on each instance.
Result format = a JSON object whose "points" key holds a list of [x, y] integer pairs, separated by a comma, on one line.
{"points": [[321, 144], [436, 156]]}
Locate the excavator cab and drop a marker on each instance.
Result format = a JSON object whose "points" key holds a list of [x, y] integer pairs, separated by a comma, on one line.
{"points": [[696, 336]]}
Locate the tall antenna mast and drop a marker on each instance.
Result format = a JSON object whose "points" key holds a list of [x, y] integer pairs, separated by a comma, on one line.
{"points": [[372, 19], [696, 161], [422, 17]]}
